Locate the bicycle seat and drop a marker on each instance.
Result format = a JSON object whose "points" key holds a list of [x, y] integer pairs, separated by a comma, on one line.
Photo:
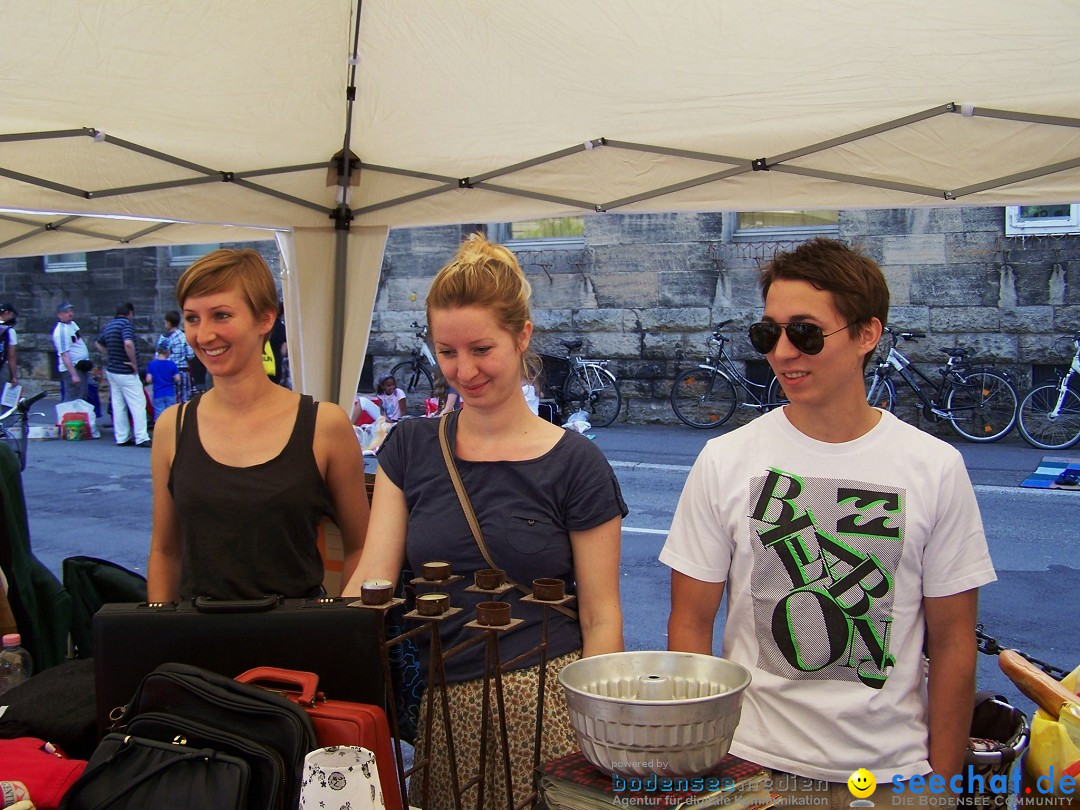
{"points": [[571, 344], [958, 352]]}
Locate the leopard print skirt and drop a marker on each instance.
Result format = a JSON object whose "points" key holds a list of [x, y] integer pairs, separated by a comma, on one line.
{"points": [[465, 701]]}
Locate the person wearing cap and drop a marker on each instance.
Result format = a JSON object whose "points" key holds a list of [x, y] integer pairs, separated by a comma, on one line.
{"points": [[8, 341], [73, 356]]}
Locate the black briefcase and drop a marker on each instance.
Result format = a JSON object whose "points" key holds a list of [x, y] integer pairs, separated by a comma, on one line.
{"points": [[325, 636]]}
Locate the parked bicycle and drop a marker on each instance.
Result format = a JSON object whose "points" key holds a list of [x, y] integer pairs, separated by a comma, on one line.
{"points": [[579, 383], [706, 396], [978, 401], [414, 376], [17, 435], [1050, 414]]}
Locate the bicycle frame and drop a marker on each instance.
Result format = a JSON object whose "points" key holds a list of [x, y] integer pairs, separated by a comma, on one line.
{"points": [[590, 371], [1066, 378], [950, 373], [904, 368], [722, 362], [421, 351]]}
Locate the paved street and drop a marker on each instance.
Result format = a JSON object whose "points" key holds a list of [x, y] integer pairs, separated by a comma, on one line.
{"points": [[94, 498]]}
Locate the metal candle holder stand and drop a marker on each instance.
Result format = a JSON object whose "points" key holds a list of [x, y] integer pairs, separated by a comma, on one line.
{"points": [[493, 670]]}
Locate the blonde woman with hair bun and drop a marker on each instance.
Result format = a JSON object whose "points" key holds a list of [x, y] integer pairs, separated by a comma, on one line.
{"points": [[547, 502]]}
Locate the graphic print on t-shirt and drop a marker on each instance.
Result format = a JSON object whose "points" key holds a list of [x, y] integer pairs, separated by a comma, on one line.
{"points": [[826, 552]]}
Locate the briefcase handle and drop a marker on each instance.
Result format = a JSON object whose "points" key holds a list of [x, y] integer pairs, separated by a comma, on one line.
{"points": [[307, 682], [204, 604]]}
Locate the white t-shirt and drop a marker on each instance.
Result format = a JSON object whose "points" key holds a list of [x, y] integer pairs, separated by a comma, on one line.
{"points": [[12, 336], [391, 404], [827, 551], [66, 338]]}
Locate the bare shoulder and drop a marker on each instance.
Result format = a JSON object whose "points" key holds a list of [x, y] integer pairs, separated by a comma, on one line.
{"points": [[331, 421], [165, 425], [330, 411]]}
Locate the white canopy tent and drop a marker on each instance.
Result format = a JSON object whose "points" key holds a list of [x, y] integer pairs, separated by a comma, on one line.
{"points": [[215, 121]]}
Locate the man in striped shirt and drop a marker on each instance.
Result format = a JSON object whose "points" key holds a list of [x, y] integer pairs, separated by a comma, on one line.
{"points": [[117, 342]]}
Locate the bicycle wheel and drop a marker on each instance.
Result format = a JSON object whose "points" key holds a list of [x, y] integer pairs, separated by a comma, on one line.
{"points": [[982, 408], [776, 396], [703, 398], [601, 398], [17, 444], [880, 391], [415, 381], [1041, 427]]}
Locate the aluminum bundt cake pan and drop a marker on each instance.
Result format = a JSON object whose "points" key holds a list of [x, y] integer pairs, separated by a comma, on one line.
{"points": [[643, 712]]}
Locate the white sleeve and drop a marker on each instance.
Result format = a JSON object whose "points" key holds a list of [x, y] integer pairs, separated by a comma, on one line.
{"points": [[956, 557], [700, 543]]}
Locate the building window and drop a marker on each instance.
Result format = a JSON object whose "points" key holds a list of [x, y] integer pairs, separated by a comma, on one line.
{"points": [[557, 232], [65, 262], [1039, 220], [183, 255], [785, 224]]}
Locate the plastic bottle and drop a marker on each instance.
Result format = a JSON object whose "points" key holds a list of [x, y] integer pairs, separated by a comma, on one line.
{"points": [[15, 663]]}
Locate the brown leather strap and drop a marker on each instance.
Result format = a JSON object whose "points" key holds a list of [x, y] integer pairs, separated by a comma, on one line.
{"points": [[470, 515]]}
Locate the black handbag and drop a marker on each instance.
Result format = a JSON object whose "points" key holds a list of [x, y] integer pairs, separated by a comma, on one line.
{"points": [[131, 772], [210, 711]]}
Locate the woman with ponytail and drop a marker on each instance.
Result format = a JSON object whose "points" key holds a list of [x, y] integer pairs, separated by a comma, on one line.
{"points": [[547, 503]]}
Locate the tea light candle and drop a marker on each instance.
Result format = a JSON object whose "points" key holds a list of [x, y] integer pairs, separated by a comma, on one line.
{"points": [[376, 591], [489, 578], [493, 614], [436, 570], [548, 590], [432, 604]]}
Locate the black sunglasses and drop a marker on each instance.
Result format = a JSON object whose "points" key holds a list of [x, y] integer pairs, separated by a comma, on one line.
{"points": [[806, 337]]}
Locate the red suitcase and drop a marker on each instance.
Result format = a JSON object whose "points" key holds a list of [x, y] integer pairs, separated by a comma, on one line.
{"points": [[338, 722]]}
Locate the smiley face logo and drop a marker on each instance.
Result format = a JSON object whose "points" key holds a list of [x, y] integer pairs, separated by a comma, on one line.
{"points": [[862, 783]]}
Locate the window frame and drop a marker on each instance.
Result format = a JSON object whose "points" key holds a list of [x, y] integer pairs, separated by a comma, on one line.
{"points": [[1017, 225], [55, 264], [177, 258], [499, 232], [778, 232]]}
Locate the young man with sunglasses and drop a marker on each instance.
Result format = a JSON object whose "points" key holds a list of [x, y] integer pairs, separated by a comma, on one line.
{"points": [[843, 538]]}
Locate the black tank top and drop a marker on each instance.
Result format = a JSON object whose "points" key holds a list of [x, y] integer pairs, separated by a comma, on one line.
{"points": [[249, 532]]}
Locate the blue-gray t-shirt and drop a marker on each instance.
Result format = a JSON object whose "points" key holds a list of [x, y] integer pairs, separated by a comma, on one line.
{"points": [[526, 511]]}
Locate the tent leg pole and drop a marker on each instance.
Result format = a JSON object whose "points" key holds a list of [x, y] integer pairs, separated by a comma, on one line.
{"points": [[337, 341]]}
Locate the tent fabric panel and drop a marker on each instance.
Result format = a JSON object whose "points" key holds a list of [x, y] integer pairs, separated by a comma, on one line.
{"points": [[309, 302], [223, 84], [460, 89]]}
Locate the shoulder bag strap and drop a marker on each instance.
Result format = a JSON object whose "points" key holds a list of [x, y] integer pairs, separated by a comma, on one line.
{"points": [[470, 515]]}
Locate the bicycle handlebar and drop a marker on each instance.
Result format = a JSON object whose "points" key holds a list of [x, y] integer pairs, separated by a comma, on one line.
{"points": [[24, 404]]}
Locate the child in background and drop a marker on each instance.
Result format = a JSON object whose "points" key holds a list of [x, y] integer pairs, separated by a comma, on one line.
{"points": [[391, 398], [164, 375]]}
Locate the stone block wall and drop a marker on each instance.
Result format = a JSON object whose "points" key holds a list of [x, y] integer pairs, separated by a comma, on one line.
{"points": [[644, 291], [144, 276]]}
